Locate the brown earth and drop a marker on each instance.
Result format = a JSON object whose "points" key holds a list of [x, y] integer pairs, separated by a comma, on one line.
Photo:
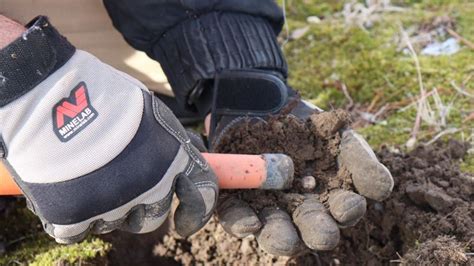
{"points": [[428, 219], [313, 146]]}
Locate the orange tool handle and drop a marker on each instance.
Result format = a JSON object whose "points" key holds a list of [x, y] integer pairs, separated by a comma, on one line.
{"points": [[7, 185], [233, 171]]}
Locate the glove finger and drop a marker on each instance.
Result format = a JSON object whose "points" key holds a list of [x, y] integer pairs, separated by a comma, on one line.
{"points": [[318, 229], [346, 207], [371, 178], [278, 235], [237, 217], [143, 218], [197, 192], [147, 218]]}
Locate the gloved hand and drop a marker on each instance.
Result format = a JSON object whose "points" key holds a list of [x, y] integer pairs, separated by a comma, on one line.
{"points": [[255, 96], [228, 58], [91, 148]]}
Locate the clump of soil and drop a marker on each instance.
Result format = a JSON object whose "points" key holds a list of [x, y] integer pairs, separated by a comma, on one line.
{"points": [[313, 146], [428, 219], [431, 205]]}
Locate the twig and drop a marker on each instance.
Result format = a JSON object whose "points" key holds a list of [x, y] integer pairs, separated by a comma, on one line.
{"points": [[460, 38], [416, 101], [416, 127], [381, 110], [440, 134], [467, 80], [287, 27], [469, 117], [374, 101], [463, 92], [348, 96], [18, 240], [399, 259]]}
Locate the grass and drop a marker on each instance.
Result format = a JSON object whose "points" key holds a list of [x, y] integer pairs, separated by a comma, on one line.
{"points": [[28, 244], [368, 63]]}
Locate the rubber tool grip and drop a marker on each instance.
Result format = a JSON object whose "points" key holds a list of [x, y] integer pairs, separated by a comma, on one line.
{"points": [[234, 171]]}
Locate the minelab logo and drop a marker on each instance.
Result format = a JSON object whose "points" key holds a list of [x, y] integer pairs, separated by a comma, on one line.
{"points": [[73, 114]]}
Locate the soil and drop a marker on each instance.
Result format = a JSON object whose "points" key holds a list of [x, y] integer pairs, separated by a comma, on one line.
{"points": [[428, 219], [313, 146]]}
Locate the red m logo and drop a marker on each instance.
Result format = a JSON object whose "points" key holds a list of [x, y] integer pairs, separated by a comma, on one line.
{"points": [[69, 109], [73, 114]]}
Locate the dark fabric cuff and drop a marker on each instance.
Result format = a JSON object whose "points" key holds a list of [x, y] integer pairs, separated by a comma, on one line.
{"points": [[30, 59], [197, 49]]}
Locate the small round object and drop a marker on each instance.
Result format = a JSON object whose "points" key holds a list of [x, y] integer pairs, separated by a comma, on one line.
{"points": [[308, 182]]}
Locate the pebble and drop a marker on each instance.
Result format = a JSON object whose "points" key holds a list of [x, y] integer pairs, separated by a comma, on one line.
{"points": [[313, 19], [308, 182]]}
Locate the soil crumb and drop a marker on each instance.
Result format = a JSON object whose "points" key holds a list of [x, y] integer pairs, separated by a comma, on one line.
{"points": [[428, 219]]}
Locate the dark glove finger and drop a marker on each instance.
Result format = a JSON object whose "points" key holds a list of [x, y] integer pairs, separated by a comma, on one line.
{"points": [[197, 192], [237, 217], [318, 229], [147, 218], [371, 178], [196, 187], [346, 207], [278, 235]]}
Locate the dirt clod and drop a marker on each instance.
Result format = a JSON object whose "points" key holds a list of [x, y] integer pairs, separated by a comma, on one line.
{"points": [[313, 145]]}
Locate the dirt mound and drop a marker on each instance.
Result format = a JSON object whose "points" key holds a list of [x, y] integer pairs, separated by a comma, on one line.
{"points": [[427, 219], [431, 199]]}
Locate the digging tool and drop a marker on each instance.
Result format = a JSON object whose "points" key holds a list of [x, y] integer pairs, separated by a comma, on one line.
{"points": [[234, 171]]}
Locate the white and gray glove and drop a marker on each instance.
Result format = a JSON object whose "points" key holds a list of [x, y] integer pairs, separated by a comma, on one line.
{"points": [[91, 148]]}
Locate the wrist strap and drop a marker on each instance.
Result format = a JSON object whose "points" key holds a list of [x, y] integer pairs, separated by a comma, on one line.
{"points": [[196, 50], [249, 93], [31, 58]]}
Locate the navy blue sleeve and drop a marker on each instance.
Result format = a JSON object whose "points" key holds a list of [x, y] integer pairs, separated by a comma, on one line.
{"points": [[142, 22], [195, 39]]}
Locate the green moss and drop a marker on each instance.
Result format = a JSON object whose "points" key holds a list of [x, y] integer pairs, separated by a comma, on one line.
{"points": [[369, 63], [27, 243], [41, 250], [70, 254], [467, 165], [434, 4], [394, 131], [301, 9]]}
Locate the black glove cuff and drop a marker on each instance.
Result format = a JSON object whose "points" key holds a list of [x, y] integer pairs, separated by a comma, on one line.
{"points": [[30, 59], [198, 48], [250, 93]]}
